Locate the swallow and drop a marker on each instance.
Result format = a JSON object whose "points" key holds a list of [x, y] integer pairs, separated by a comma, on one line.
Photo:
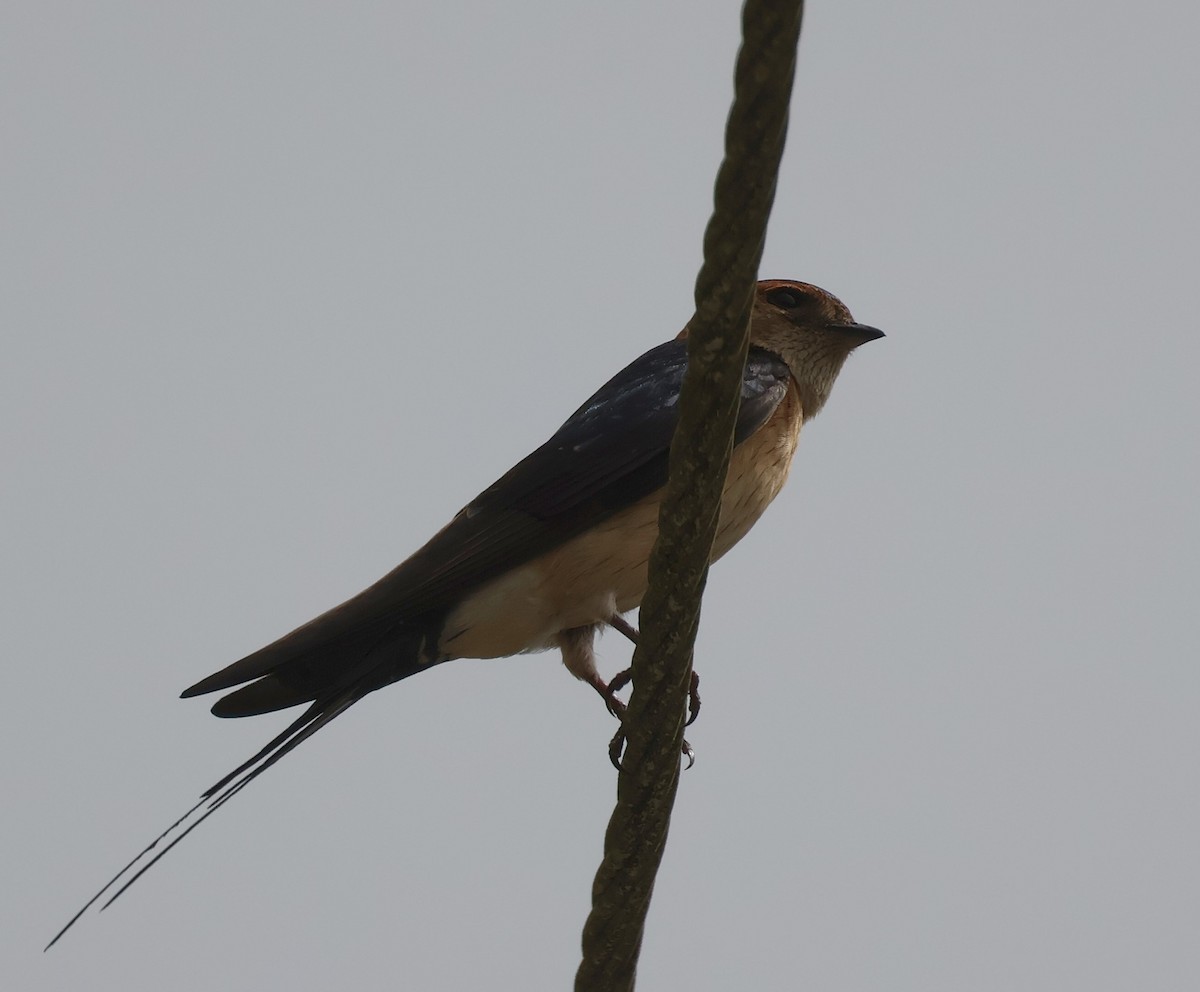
{"points": [[549, 554]]}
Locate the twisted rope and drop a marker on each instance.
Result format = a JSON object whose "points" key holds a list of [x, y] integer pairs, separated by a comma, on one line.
{"points": [[699, 460]]}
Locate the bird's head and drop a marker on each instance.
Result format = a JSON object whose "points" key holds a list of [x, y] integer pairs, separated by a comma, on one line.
{"points": [[811, 330]]}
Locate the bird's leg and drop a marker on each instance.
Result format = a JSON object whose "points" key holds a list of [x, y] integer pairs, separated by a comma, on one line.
{"points": [[579, 657], [615, 706], [622, 679], [618, 622]]}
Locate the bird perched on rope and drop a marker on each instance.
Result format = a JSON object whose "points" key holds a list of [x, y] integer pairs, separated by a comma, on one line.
{"points": [[554, 550]]}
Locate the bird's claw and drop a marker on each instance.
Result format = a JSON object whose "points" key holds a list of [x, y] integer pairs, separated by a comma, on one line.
{"points": [[615, 685], [622, 679], [617, 745]]}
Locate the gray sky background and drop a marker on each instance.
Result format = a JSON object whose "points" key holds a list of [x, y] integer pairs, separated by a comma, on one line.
{"points": [[284, 285]]}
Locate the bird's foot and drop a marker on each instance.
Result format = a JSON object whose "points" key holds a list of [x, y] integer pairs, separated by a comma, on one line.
{"points": [[617, 745], [617, 708], [622, 679], [607, 691]]}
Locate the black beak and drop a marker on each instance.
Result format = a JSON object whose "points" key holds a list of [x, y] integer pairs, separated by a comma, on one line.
{"points": [[857, 334]]}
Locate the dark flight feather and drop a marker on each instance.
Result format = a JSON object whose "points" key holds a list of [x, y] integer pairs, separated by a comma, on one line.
{"points": [[609, 454]]}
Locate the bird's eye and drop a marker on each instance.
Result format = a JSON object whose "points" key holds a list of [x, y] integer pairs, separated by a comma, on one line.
{"points": [[785, 299]]}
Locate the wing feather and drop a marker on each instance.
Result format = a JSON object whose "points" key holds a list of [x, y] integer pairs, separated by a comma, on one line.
{"points": [[608, 454]]}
